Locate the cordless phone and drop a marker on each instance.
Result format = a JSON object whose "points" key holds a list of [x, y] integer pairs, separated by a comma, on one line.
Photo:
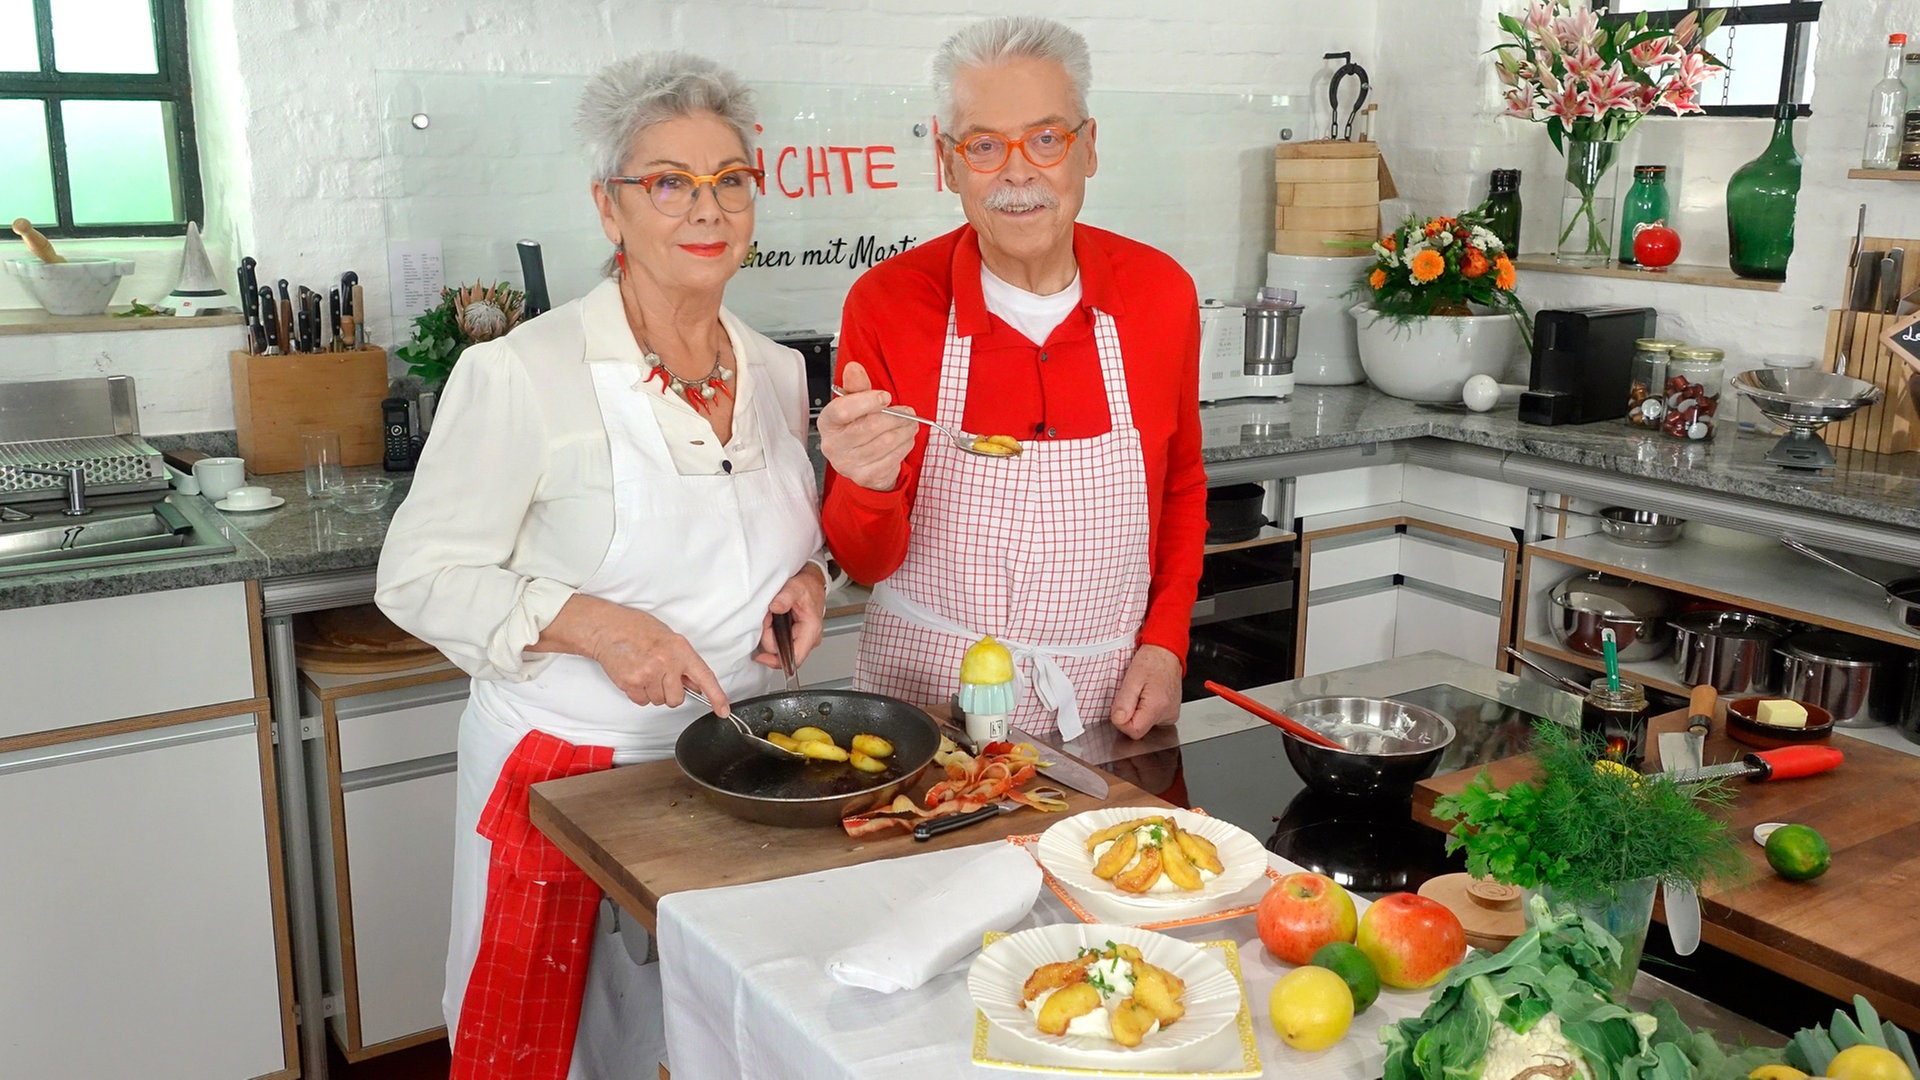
{"points": [[396, 435]]}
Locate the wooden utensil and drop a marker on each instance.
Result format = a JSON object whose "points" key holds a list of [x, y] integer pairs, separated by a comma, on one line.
{"points": [[1279, 720], [38, 245]]}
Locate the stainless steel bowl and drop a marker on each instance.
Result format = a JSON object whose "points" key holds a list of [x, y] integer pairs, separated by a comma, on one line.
{"points": [[1391, 746], [1731, 651], [1585, 605], [1793, 397]]}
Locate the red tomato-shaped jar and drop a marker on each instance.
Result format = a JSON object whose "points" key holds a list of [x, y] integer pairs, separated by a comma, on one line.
{"points": [[1655, 246]]}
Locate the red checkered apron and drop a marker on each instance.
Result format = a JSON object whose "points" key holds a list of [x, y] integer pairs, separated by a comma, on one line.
{"points": [[1047, 551], [523, 999]]}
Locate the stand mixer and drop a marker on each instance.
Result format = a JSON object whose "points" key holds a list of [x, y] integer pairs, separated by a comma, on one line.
{"points": [[1804, 401], [1247, 350]]}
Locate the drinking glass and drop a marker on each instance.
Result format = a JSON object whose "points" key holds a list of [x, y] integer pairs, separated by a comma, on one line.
{"points": [[321, 452]]}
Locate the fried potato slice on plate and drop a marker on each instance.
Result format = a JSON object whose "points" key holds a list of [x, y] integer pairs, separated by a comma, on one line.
{"points": [[1199, 851], [1056, 975], [1115, 858], [1064, 1007], [1131, 1022], [1151, 989], [1173, 860], [1114, 832], [873, 746], [1141, 876]]}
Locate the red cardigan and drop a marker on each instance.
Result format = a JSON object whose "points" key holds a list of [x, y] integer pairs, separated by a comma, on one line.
{"points": [[895, 325]]}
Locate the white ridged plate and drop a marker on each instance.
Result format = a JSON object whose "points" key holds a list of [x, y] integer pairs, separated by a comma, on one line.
{"points": [[1212, 998], [1063, 851]]}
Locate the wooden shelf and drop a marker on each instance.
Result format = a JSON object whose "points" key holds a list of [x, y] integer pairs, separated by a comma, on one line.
{"points": [[1654, 674], [1908, 175], [1678, 274], [1268, 535], [36, 321]]}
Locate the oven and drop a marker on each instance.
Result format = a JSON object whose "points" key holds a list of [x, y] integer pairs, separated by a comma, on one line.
{"points": [[1243, 618]]}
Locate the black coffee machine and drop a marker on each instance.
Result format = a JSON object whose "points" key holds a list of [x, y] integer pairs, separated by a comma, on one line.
{"points": [[1581, 363]]}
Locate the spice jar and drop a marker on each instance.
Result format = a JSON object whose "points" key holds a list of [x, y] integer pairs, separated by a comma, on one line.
{"points": [[1646, 401], [1692, 392], [1618, 718]]}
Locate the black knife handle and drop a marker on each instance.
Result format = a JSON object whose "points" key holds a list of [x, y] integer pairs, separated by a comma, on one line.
{"points": [[333, 312], [269, 316], [347, 281], [927, 830], [533, 270], [249, 286]]}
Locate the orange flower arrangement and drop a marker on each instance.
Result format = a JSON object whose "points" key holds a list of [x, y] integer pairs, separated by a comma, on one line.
{"points": [[1443, 266], [1427, 265]]}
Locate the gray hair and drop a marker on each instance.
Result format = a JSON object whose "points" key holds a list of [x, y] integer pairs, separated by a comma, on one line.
{"points": [[628, 97], [995, 41]]}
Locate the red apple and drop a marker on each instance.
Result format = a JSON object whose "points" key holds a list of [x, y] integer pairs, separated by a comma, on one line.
{"points": [[1412, 940], [1302, 912], [1655, 246]]}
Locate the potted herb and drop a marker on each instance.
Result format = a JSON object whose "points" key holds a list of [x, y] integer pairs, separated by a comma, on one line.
{"points": [[1593, 835], [465, 316]]}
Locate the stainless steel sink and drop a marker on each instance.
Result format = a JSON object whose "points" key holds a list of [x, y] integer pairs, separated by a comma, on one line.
{"points": [[119, 529]]}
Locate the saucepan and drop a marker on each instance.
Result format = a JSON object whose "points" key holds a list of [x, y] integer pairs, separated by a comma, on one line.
{"points": [[740, 781], [1903, 594], [1625, 525], [1586, 605]]}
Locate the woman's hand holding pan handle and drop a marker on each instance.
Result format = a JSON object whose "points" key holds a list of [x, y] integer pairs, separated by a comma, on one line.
{"points": [[644, 657], [804, 596]]}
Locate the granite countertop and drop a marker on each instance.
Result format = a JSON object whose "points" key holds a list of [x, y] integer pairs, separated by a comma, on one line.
{"points": [[307, 536]]}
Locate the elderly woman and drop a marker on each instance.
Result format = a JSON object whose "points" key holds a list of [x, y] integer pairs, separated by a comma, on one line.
{"points": [[615, 502]]}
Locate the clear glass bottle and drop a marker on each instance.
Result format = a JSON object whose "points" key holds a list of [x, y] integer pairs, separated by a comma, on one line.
{"points": [[1761, 196], [1502, 208], [1646, 203], [1886, 110], [1692, 392], [1618, 718], [1646, 393]]}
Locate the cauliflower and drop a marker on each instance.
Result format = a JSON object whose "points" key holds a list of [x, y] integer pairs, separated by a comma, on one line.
{"points": [[1542, 1051]]}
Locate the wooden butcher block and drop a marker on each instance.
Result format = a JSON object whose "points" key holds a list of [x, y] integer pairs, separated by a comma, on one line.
{"points": [[357, 640]]}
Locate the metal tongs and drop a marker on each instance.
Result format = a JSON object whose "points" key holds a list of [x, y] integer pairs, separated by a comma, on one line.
{"points": [[1333, 93]]}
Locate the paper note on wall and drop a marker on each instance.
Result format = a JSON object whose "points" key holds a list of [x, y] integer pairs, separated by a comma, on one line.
{"points": [[414, 277]]}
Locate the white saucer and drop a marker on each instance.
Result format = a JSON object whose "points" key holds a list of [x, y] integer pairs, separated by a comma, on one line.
{"points": [[227, 505]]}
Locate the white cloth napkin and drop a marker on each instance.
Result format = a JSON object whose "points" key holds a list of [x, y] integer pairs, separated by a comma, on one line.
{"points": [[935, 918]]}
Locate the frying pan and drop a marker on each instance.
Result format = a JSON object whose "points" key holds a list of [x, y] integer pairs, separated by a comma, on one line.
{"points": [[1903, 594], [739, 781]]}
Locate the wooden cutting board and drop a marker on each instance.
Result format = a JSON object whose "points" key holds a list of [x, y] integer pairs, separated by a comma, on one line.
{"points": [[357, 640]]}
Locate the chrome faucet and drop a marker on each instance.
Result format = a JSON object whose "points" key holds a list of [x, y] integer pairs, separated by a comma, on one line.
{"points": [[76, 478]]}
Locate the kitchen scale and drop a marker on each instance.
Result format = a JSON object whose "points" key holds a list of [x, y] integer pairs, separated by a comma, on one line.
{"points": [[1804, 401]]}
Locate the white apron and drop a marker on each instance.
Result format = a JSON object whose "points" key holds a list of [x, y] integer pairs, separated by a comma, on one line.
{"points": [[1047, 551], [705, 555]]}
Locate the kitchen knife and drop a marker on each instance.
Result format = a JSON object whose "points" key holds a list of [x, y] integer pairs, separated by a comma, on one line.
{"points": [[333, 311], [1699, 723], [249, 285], [270, 322], [256, 334], [1891, 266], [535, 273], [1786, 763], [927, 830], [1679, 752], [303, 330], [1063, 768], [1865, 282], [347, 281], [319, 326], [286, 316], [359, 316]]}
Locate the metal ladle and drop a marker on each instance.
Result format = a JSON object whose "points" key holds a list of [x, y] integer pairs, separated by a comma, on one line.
{"points": [[760, 743], [960, 438]]}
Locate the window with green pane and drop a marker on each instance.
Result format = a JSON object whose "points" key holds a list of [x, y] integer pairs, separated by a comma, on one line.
{"points": [[98, 95]]}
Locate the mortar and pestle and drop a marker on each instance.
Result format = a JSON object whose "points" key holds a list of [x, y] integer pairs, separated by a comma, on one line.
{"points": [[64, 286]]}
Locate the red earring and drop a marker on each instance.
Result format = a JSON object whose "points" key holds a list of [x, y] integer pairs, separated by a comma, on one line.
{"points": [[620, 260]]}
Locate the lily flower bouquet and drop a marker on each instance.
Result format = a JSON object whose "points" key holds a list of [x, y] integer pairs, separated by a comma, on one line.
{"points": [[1592, 84]]}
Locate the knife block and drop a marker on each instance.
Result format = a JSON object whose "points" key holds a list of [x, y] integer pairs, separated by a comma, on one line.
{"points": [[277, 399], [1892, 426]]}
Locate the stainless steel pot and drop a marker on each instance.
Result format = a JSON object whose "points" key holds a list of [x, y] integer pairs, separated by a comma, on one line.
{"points": [[1587, 604], [1860, 681], [746, 784], [1731, 651]]}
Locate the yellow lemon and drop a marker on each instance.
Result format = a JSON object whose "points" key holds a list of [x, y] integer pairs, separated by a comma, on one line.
{"points": [[1776, 1072], [1311, 1008], [986, 663], [1605, 766], [1865, 1062]]}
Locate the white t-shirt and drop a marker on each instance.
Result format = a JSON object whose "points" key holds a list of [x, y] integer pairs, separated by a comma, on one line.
{"points": [[1030, 313]]}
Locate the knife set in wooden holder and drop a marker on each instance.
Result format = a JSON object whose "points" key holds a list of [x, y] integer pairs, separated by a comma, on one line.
{"points": [[1885, 272], [277, 399]]}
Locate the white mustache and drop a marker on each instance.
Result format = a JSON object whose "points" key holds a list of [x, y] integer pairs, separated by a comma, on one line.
{"points": [[1020, 198]]}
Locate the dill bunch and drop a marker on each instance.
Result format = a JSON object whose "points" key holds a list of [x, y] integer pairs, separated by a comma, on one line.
{"points": [[1582, 828]]}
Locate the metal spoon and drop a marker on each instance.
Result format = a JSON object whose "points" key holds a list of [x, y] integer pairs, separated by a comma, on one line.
{"points": [[760, 743], [960, 438]]}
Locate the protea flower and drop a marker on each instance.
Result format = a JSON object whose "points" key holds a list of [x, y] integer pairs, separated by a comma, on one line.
{"points": [[486, 312]]}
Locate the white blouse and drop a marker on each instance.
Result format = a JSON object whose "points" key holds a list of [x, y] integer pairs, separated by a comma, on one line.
{"points": [[511, 506]]}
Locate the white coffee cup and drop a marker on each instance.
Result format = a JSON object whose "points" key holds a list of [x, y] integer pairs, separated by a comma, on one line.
{"points": [[249, 498], [219, 475]]}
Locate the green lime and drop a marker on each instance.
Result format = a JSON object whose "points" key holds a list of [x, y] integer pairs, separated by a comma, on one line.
{"points": [[1347, 961], [1798, 853]]}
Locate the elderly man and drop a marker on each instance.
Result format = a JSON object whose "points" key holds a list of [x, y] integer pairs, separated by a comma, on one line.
{"points": [[1081, 553]]}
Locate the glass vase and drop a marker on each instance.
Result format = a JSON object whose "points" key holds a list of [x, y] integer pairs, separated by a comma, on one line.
{"points": [[1587, 204], [1626, 915], [1761, 197]]}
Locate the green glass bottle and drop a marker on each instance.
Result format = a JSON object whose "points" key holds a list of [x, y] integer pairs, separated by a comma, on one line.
{"points": [[1645, 204], [1760, 204], [1502, 209]]}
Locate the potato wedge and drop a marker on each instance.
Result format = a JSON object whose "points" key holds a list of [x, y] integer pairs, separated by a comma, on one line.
{"points": [[1129, 953], [1143, 873], [1112, 832], [1054, 976], [1131, 1022], [811, 734], [1070, 1002], [1173, 860], [1200, 851], [1150, 988], [1175, 984], [822, 751], [873, 746], [862, 761], [783, 741], [1115, 858]]}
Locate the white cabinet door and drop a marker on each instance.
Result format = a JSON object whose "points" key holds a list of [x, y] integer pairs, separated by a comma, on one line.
{"points": [[1425, 621], [1349, 631], [400, 859], [137, 927]]}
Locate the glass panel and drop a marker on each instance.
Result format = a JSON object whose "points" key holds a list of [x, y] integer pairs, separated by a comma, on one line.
{"points": [[1809, 48], [19, 48], [26, 177], [1634, 7], [104, 35], [1754, 53], [120, 161]]}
